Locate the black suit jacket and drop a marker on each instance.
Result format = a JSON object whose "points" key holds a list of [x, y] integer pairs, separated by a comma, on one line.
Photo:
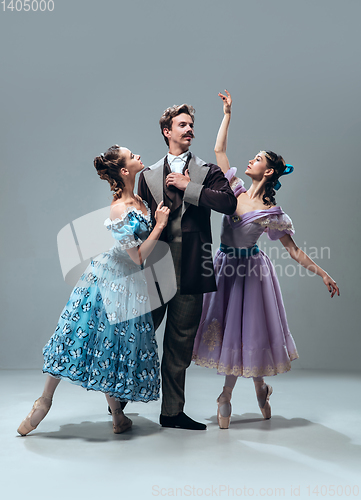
{"points": [[208, 190]]}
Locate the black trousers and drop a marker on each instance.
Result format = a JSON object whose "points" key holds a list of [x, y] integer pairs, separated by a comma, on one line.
{"points": [[183, 316]]}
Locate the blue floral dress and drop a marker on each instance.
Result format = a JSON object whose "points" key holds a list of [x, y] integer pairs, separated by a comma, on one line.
{"points": [[105, 339]]}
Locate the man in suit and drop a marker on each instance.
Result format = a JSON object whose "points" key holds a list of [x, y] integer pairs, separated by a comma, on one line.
{"points": [[190, 188]]}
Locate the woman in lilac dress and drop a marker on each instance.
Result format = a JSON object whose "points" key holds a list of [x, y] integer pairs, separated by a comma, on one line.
{"points": [[243, 330]]}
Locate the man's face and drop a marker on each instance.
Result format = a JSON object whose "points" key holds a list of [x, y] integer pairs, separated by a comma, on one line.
{"points": [[181, 134]]}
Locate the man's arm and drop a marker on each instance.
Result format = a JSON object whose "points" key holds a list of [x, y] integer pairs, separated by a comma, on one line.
{"points": [[215, 193], [143, 189]]}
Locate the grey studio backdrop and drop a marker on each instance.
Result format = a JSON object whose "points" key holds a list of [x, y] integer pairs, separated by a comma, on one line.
{"points": [[91, 74]]}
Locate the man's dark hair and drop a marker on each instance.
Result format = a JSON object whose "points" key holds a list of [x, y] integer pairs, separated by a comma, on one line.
{"points": [[168, 115]]}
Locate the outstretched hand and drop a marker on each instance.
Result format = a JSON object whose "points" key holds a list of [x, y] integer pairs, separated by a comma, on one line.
{"points": [[227, 102], [331, 285]]}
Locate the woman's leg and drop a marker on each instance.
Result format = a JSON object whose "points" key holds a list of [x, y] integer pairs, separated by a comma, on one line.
{"points": [[51, 383], [40, 407], [230, 381], [263, 392], [224, 402], [120, 422]]}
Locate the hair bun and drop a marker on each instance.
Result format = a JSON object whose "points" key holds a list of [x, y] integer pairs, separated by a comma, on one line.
{"points": [[99, 162], [108, 167]]}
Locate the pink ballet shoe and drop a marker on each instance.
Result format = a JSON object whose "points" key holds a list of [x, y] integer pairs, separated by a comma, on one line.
{"points": [[41, 403], [125, 425], [266, 408], [224, 398]]}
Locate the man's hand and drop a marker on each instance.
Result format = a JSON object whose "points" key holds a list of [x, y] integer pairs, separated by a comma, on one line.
{"points": [[179, 181]]}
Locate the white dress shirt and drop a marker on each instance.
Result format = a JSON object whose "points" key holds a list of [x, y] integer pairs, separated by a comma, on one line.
{"points": [[177, 163]]}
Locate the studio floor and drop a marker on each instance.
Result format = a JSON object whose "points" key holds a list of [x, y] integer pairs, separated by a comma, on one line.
{"points": [[312, 443]]}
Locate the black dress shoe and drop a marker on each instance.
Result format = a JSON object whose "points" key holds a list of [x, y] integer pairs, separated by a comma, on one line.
{"points": [[123, 404], [181, 421]]}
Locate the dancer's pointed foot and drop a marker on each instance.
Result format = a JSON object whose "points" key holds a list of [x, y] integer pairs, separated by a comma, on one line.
{"points": [[263, 402], [181, 421], [224, 409], [37, 414], [121, 423]]}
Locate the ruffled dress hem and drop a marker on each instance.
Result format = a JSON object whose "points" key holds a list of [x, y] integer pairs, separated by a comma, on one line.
{"points": [[245, 371], [130, 399]]}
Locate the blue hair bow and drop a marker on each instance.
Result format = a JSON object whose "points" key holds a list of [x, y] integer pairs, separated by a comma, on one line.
{"points": [[288, 170]]}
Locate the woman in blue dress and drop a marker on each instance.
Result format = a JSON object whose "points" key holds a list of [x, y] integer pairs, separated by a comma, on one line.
{"points": [[105, 338]]}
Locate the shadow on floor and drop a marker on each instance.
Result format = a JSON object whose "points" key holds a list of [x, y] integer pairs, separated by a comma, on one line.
{"points": [[100, 431], [256, 421], [296, 436], [278, 440]]}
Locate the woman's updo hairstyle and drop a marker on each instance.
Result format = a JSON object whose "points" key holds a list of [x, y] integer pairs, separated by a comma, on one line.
{"points": [[108, 166], [278, 164]]}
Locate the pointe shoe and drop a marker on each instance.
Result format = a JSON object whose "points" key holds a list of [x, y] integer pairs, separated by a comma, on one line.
{"points": [[125, 425], [40, 404], [266, 408], [224, 398]]}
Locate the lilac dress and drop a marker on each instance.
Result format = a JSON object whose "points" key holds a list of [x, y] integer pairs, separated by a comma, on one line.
{"points": [[243, 329]]}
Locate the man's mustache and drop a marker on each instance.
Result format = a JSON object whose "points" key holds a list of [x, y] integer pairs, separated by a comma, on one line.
{"points": [[189, 134]]}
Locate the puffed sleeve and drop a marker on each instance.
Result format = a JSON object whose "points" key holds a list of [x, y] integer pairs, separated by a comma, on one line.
{"points": [[234, 181], [125, 231], [278, 226]]}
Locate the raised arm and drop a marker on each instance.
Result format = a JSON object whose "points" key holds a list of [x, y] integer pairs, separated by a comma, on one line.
{"points": [[302, 258], [220, 147]]}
